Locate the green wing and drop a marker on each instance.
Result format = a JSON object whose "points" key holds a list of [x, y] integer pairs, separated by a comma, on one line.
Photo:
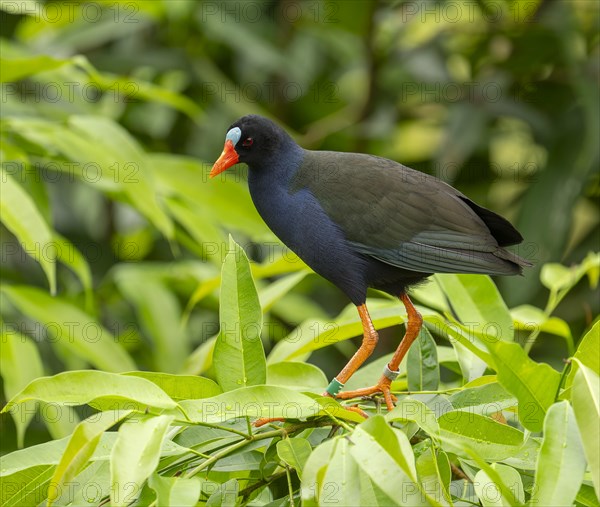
{"points": [[403, 217]]}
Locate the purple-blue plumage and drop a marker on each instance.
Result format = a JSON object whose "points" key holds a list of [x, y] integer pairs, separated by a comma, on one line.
{"points": [[362, 221]]}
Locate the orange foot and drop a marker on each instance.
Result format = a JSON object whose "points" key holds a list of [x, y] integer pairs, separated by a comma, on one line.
{"points": [[383, 386], [266, 420], [359, 411]]}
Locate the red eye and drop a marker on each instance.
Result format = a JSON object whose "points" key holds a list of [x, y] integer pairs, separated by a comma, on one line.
{"points": [[247, 142]]}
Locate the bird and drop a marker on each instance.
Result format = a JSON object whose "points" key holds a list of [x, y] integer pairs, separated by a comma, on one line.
{"points": [[363, 221]]}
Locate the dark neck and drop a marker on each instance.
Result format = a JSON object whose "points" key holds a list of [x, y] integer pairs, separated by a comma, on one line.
{"points": [[275, 171]]}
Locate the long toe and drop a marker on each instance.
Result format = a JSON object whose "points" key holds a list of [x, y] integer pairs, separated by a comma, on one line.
{"points": [[383, 386]]}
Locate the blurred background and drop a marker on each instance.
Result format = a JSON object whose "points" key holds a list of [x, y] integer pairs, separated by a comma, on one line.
{"points": [[113, 113]]}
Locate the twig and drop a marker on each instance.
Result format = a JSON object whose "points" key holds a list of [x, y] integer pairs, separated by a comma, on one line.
{"points": [[290, 487], [459, 473], [281, 432]]}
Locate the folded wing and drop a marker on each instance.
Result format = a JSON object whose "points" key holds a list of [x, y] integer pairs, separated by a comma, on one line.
{"points": [[406, 218]]}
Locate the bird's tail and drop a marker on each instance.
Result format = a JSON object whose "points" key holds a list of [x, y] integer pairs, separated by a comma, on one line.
{"points": [[517, 262]]}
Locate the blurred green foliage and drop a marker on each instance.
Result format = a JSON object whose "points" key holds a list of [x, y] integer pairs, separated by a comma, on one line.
{"points": [[113, 112]]}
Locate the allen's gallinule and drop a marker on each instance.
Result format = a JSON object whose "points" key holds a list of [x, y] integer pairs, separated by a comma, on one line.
{"points": [[364, 221]]}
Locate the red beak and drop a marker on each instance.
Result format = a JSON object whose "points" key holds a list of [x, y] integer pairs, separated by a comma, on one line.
{"points": [[228, 158]]}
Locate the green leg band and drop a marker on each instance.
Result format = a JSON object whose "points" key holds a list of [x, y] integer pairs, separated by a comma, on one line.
{"points": [[334, 387]]}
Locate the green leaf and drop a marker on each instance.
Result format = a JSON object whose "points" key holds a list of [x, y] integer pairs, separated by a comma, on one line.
{"points": [[469, 351], [159, 313], [91, 486], [430, 476], [20, 363], [177, 491], [340, 484], [101, 153], [51, 452], [145, 90], [534, 384], [483, 400], [132, 173], [238, 357], [282, 265], [587, 497], [225, 496], [21, 216], [71, 328], [422, 365], [332, 408], [555, 276], [478, 304], [135, 456], [386, 456], [586, 405], [502, 489], [180, 387], [277, 289], [46, 454], [87, 160], [492, 440], [70, 256], [332, 477], [227, 203], [294, 452], [200, 360], [80, 448], [255, 402], [483, 314], [27, 487], [561, 461], [204, 231], [60, 420], [243, 461], [331, 457], [588, 352], [295, 375], [431, 295], [444, 469], [561, 279], [416, 411], [526, 457], [14, 69], [66, 388], [532, 319], [315, 334]]}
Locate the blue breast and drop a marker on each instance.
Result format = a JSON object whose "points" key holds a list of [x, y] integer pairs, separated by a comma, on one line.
{"points": [[300, 222]]}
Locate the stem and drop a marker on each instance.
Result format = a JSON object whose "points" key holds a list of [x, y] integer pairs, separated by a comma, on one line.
{"points": [[563, 375], [290, 487], [338, 422], [467, 501], [529, 343], [442, 391], [459, 473], [281, 432], [224, 428], [263, 482], [216, 457]]}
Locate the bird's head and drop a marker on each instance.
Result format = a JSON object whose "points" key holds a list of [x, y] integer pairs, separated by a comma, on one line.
{"points": [[252, 140]]}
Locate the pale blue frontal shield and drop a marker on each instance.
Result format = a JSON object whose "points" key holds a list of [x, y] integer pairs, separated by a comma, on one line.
{"points": [[234, 135]]}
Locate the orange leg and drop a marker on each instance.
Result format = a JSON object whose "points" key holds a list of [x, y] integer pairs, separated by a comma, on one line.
{"points": [[370, 338], [413, 326]]}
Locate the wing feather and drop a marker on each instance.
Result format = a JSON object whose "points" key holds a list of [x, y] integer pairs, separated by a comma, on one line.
{"points": [[403, 217]]}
